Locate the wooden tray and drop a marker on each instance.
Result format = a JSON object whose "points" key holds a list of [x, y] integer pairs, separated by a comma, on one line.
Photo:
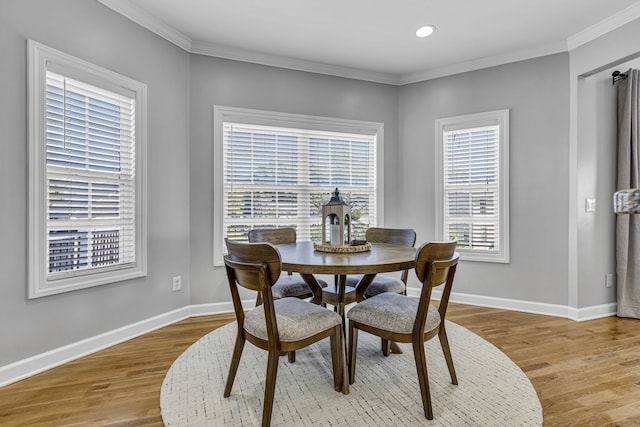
{"points": [[344, 249]]}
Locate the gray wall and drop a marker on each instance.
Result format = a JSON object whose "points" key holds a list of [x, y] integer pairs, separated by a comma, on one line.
{"points": [[94, 33], [217, 81], [550, 171], [536, 92], [593, 157], [596, 180]]}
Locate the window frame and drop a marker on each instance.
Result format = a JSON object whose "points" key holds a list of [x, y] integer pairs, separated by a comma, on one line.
{"points": [[41, 282], [222, 114], [498, 118]]}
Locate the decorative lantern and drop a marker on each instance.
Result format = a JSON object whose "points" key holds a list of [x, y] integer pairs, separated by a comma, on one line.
{"points": [[627, 201], [336, 219]]}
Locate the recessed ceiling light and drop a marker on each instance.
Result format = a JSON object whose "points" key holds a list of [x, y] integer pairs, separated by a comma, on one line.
{"points": [[425, 31]]}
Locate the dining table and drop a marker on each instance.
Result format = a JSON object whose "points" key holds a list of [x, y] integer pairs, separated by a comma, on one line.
{"points": [[303, 258]]}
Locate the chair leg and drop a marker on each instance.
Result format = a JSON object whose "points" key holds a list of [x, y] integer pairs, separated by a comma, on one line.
{"points": [[386, 347], [420, 355], [334, 361], [292, 356], [270, 388], [235, 361], [444, 343], [353, 348], [342, 351]]}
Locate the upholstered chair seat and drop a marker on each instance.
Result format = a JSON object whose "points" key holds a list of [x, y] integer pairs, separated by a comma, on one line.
{"points": [[379, 285], [292, 285], [392, 312], [296, 319]]}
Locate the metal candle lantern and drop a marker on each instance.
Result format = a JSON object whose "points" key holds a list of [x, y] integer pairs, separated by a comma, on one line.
{"points": [[336, 218]]}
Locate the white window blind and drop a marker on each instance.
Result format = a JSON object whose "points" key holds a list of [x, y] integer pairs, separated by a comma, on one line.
{"points": [[281, 176], [90, 168], [471, 178], [87, 149], [473, 181]]}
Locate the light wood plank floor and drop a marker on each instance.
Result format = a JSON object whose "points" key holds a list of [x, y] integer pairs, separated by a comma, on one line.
{"points": [[585, 373]]}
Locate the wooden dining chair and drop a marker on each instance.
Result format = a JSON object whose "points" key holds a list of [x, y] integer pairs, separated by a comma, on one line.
{"points": [[277, 326], [292, 285], [384, 283], [400, 318]]}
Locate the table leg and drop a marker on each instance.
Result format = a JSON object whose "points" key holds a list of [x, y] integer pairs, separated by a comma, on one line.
{"points": [[362, 286], [311, 281], [342, 285]]}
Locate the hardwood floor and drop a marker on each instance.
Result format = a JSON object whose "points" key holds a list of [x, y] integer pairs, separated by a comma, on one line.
{"points": [[586, 374]]}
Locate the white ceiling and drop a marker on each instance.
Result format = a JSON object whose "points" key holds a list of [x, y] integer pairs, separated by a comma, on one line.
{"points": [[375, 39]]}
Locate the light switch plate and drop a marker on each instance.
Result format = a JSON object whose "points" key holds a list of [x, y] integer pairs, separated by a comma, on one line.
{"points": [[589, 205]]}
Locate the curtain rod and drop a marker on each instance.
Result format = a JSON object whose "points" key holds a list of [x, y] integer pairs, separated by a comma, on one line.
{"points": [[617, 75]]}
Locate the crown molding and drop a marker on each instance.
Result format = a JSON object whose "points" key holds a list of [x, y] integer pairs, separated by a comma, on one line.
{"points": [[148, 21], [153, 24], [606, 25], [221, 51], [477, 64]]}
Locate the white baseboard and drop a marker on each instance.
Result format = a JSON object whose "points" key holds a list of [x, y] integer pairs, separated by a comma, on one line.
{"points": [[593, 312], [33, 365], [39, 363], [572, 313]]}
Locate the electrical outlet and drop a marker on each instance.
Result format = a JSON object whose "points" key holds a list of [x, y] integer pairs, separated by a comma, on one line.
{"points": [[177, 283], [609, 279]]}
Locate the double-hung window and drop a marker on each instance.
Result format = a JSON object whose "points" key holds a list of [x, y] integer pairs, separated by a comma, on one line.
{"points": [[86, 148], [277, 170], [472, 184]]}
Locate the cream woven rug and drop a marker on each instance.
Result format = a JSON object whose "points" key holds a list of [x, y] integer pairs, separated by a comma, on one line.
{"points": [[492, 390]]}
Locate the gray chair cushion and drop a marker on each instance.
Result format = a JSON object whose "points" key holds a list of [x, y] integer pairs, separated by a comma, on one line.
{"points": [[293, 286], [380, 284], [297, 319], [392, 312]]}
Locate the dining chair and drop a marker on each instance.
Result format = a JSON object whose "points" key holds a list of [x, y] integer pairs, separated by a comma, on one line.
{"points": [[277, 325], [292, 285], [384, 283], [400, 318]]}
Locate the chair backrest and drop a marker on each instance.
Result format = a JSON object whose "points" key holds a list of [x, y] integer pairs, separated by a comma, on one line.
{"points": [[275, 236], [249, 260], [442, 255], [396, 236], [436, 264]]}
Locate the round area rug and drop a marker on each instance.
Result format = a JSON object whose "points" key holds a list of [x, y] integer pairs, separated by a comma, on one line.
{"points": [[492, 390]]}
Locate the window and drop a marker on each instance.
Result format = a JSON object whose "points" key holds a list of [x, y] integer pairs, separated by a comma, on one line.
{"points": [[86, 157], [472, 184], [277, 170]]}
